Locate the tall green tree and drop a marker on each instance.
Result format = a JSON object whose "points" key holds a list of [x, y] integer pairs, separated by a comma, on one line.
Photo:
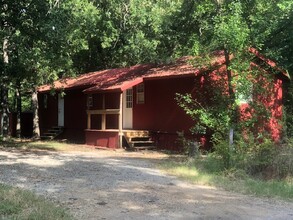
{"points": [[41, 37], [232, 27]]}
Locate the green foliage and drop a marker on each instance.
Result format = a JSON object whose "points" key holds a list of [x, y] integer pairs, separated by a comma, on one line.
{"points": [[206, 117], [223, 150], [288, 111], [260, 158], [230, 29]]}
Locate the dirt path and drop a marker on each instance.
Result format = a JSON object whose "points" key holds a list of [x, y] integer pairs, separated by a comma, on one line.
{"points": [[118, 185]]}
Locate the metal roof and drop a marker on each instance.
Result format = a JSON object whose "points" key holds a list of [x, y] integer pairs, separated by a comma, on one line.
{"points": [[120, 79]]}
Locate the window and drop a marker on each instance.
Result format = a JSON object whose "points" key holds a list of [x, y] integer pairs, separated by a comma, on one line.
{"points": [[140, 94], [129, 98], [89, 101]]}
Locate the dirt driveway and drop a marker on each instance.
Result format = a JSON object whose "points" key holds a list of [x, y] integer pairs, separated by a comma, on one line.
{"points": [[120, 185]]}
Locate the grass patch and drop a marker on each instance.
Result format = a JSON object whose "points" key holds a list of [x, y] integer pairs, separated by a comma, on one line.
{"points": [[22, 204], [208, 171], [186, 171], [28, 145]]}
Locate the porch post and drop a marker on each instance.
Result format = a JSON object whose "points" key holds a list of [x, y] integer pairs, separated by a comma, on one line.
{"points": [[120, 120], [88, 120], [103, 121], [103, 115]]}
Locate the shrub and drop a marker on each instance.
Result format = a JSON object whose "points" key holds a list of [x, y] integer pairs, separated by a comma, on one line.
{"points": [[190, 147], [283, 162], [260, 158], [223, 150]]}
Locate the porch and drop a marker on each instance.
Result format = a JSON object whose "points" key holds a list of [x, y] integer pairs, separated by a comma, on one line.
{"points": [[104, 124], [110, 122]]}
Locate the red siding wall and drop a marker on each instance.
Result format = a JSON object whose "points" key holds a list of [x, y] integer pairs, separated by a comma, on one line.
{"points": [[161, 114], [273, 101], [161, 111], [108, 139]]}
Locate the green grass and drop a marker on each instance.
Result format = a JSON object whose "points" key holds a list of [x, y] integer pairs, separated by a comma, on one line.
{"points": [[24, 205], [29, 145], [207, 172]]}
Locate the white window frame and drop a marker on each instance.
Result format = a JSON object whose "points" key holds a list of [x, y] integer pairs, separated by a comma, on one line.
{"points": [[129, 98]]}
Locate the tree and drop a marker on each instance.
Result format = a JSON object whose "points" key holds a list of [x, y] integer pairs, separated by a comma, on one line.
{"points": [[41, 36], [232, 27]]}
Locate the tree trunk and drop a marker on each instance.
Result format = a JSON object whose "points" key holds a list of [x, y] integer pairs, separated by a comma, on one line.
{"points": [[35, 105], [4, 112], [4, 131], [232, 107], [18, 112]]}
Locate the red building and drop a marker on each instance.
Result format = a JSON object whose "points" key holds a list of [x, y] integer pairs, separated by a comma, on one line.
{"points": [[111, 108]]}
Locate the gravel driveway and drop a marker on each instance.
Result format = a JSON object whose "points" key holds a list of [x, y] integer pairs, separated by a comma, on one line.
{"points": [[121, 185]]}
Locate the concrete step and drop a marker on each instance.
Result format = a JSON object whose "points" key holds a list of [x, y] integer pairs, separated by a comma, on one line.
{"points": [[139, 139], [45, 137], [52, 133], [144, 148], [143, 138], [141, 143], [136, 133]]}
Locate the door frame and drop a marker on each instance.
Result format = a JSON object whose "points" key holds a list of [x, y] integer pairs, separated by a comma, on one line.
{"points": [[127, 114]]}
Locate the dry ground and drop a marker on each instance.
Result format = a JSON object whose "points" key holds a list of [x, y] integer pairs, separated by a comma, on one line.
{"points": [[123, 185]]}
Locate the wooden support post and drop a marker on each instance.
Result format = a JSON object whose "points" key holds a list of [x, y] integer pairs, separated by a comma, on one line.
{"points": [[103, 115], [89, 121], [120, 120], [103, 122]]}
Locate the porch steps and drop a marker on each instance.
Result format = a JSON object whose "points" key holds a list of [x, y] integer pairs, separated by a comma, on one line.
{"points": [[139, 140], [52, 133]]}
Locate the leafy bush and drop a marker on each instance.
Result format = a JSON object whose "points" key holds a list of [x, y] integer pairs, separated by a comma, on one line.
{"points": [[190, 147], [223, 150], [261, 157], [283, 162]]}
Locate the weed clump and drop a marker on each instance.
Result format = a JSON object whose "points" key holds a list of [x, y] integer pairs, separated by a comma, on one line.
{"points": [[262, 159]]}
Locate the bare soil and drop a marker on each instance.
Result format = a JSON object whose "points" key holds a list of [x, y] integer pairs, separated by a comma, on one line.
{"points": [[126, 185]]}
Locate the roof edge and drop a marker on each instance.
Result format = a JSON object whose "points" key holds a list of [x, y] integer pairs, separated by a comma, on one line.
{"points": [[283, 74]]}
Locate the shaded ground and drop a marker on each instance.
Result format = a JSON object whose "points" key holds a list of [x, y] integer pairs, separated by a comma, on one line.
{"points": [[111, 185]]}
